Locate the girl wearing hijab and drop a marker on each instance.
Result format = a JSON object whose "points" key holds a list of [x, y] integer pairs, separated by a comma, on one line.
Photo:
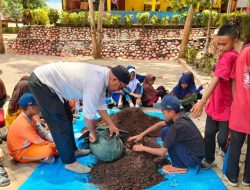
{"points": [[150, 94], [185, 90], [133, 91], [13, 109]]}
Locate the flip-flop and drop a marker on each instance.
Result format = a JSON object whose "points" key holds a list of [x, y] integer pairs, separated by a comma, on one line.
{"points": [[85, 134]]}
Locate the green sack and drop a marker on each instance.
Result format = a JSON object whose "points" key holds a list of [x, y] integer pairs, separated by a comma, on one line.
{"points": [[106, 148], [189, 100]]}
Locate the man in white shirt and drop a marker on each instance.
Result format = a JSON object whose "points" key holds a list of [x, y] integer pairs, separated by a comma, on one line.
{"points": [[53, 85]]}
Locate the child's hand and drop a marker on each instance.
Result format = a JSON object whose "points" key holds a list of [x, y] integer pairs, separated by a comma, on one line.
{"points": [[197, 109], [138, 148], [135, 138]]}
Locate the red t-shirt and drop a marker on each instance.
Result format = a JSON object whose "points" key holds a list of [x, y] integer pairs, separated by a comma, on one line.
{"points": [[219, 106], [240, 115]]}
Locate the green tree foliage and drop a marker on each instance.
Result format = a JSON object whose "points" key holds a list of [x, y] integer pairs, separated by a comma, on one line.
{"points": [[34, 4], [205, 18], [53, 16], [39, 16], [181, 6], [240, 19], [13, 9]]}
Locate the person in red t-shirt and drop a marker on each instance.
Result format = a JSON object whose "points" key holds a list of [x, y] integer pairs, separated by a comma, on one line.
{"points": [[219, 94], [239, 122]]}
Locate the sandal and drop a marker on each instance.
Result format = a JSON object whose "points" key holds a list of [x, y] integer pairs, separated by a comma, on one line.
{"points": [[78, 168], [85, 134], [4, 181], [3, 172]]}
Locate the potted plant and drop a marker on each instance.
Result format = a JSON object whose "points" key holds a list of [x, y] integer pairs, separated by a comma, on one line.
{"points": [[84, 5]]}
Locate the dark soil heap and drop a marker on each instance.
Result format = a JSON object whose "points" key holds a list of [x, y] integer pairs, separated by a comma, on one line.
{"points": [[134, 121], [135, 170]]}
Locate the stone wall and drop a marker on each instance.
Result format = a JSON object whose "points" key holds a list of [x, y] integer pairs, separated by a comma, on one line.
{"points": [[134, 43]]}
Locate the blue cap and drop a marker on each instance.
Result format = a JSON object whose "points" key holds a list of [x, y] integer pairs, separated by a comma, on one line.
{"points": [[26, 100], [168, 103]]}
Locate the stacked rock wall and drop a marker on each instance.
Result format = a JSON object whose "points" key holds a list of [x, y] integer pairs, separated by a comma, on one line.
{"points": [[134, 43]]}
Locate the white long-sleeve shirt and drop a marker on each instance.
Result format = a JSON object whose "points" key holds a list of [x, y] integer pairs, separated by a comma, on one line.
{"points": [[76, 80]]}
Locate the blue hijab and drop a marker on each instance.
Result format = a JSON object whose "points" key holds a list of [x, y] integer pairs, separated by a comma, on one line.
{"points": [[179, 92]]}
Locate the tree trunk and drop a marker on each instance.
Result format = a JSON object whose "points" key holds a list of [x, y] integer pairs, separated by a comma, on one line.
{"points": [[16, 23], [208, 27], [93, 29], [99, 28], [2, 49], [229, 5], [186, 31]]}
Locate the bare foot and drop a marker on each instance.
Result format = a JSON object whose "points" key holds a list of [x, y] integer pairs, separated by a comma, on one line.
{"points": [[169, 169]]}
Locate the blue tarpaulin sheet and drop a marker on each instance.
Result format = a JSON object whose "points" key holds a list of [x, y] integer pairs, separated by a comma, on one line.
{"points": [[55, 176]]}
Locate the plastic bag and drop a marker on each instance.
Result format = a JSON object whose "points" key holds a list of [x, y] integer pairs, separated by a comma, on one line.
{"points": [[106, 148]]}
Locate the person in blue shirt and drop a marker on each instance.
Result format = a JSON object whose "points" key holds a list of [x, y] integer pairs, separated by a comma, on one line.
{"points": [[181, 139], [186, 91]]}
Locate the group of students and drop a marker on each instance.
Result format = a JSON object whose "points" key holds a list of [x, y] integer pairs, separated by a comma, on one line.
{"points": [[227, 101], [140, 91]]}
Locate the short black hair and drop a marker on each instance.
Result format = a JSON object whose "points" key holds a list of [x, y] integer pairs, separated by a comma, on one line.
{"points": [[24, 108], [228, 30]]}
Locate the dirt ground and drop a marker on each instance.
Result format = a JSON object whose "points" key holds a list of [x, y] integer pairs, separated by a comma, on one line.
{"points": [[14, 66], [142, 172]]}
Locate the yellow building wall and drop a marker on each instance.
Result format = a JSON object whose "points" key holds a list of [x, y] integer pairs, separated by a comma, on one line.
{"points": [[164, 5], [138, 5], [217, 4]]}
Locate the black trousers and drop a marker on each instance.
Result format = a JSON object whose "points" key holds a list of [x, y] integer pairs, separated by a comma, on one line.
{"points": [[2, 101], [211, 129], [58, 116], [236, 142]]}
